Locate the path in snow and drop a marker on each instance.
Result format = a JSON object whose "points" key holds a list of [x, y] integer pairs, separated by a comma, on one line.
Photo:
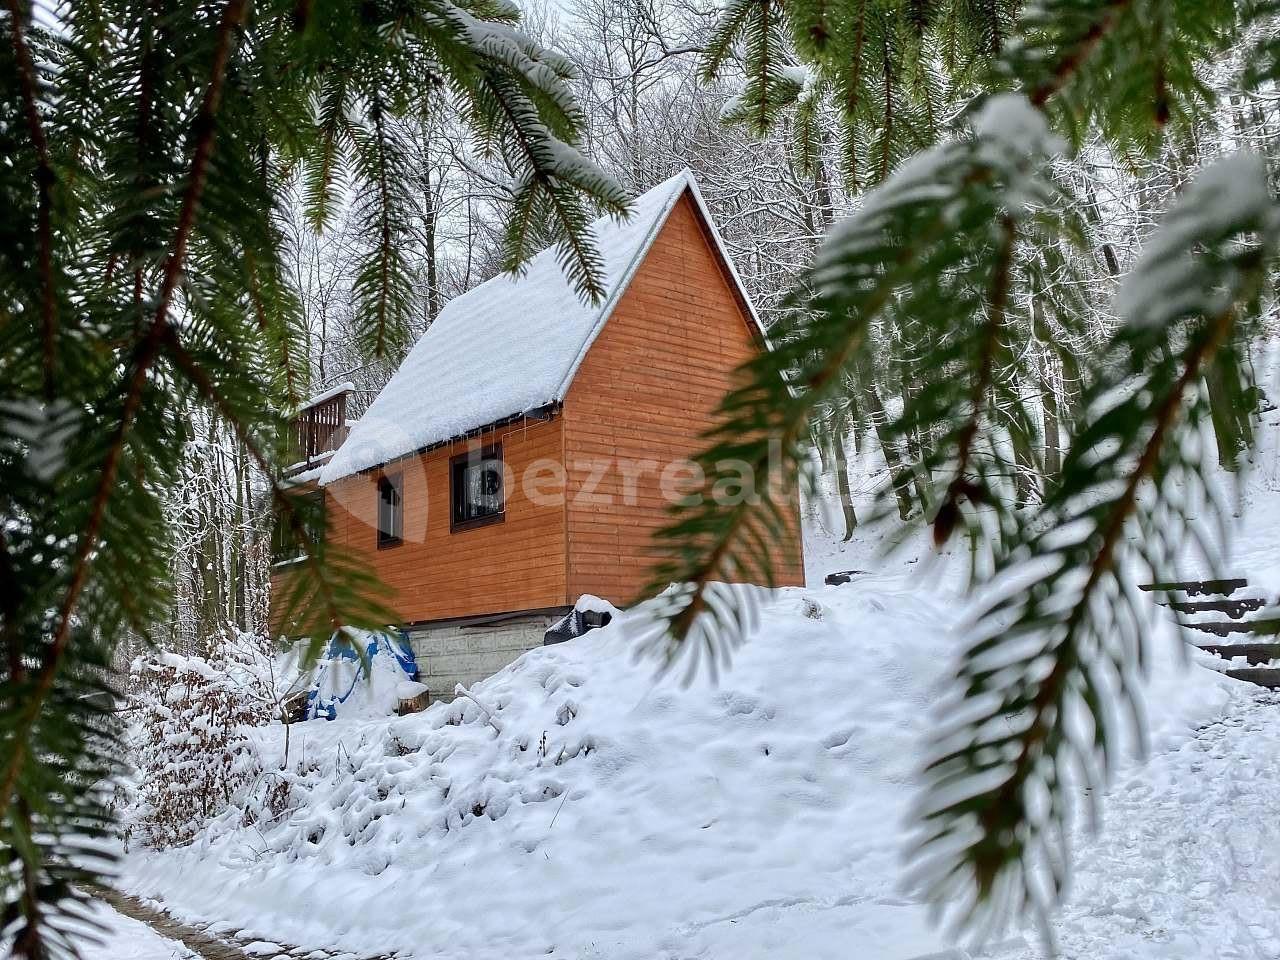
{"points": [[1187, 865], [123, 938], [139, 931]]}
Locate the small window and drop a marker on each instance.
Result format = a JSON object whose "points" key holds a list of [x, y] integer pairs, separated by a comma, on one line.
{"points": [[390, 509], [285, 544], [476, 489]]}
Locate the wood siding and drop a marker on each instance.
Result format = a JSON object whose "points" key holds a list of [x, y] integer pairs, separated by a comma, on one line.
{"points": [[516, 564], [645, 393]]}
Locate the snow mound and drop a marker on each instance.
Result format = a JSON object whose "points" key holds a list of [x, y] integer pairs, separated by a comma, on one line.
{"points": [[576, 808]]}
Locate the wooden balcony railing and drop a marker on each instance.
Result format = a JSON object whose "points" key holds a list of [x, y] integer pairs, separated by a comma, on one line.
{"points": [[319, 428]]}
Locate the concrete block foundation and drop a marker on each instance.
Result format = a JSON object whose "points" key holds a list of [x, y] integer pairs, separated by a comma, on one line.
{"points": [[449, 654]]}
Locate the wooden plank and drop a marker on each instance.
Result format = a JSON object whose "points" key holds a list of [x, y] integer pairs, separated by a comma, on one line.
{"points": [[1262, 676], [1197, 588], [1234, 609], [1255, 653], [1222, 628]]}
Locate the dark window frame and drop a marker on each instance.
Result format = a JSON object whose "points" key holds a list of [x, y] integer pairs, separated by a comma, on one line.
{"points": [[388, 538], [457, 469], [284, 550]]}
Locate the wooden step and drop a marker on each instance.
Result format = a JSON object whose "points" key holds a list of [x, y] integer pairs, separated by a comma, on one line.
{"points": [[1222, 628], [1262, 676], [1255, 653], [1235, 609], [1198, 588]]}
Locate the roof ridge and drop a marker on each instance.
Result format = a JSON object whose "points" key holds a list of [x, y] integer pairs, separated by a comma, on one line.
{"points": [[513, 343], [610, 303]]}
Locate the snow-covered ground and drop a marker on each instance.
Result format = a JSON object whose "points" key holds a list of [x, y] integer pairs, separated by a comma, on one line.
{"points": [[602, 815], [581, 809], [118, 937]]}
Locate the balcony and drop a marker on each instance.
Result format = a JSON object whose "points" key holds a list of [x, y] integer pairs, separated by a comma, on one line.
{"points": [[318, 429]]}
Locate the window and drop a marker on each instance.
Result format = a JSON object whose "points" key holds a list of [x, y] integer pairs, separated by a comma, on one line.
{"points": [[309, 511], [390, 509], [476, 494]]}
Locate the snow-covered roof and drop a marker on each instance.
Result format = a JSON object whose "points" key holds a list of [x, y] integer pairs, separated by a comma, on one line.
{"points": [[509, 346], [329, 394]]}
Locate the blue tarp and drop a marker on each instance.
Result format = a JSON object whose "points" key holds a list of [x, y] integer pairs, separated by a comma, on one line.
{"points": [[341, 667]]}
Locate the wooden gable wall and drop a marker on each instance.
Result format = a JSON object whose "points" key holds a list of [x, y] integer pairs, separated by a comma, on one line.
{"points": [[646, 391]]}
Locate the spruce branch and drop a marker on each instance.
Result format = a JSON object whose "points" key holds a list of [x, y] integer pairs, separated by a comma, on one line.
{"points": [[139, 97], [730, 24], [1075, 56], [45, 178], [934, 219], [944, 521], [320, 174], [764, 67], [579, 257], [384, 234], [254, 286], [145, 355], [1004, 811], [1057, 642]]}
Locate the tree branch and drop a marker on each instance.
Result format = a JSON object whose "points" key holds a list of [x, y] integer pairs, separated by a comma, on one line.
{"points": [[45, 179], [944, 520], [144, 356], [1078, 54], [1044, 706]]}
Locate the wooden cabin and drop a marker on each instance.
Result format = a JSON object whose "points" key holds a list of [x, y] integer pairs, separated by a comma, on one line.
{"points": [[529, 445]]}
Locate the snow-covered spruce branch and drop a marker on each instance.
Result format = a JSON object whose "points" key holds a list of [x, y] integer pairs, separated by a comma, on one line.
{"points": [[931, 219], [1073, 56], [961, 488], [1049, 673]]}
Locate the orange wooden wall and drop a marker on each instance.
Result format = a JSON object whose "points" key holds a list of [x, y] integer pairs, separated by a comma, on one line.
{"points": [[646, 392], [517, 564]]}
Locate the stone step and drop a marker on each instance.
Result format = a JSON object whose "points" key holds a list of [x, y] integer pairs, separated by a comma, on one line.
{"points": [[1235, 609], [1255, 653], [1262, 676], [1198, 588]]}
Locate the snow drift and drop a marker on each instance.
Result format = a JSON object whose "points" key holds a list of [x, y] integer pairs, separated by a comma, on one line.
{"points": [[576, 808]]}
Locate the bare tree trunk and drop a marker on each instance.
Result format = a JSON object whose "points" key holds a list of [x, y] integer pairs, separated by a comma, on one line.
{"points": [[1052, 428], [900, 480], [822, 436], [822, 184], [838, 440], [429, 231], [239, 568], [914, 447]]}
